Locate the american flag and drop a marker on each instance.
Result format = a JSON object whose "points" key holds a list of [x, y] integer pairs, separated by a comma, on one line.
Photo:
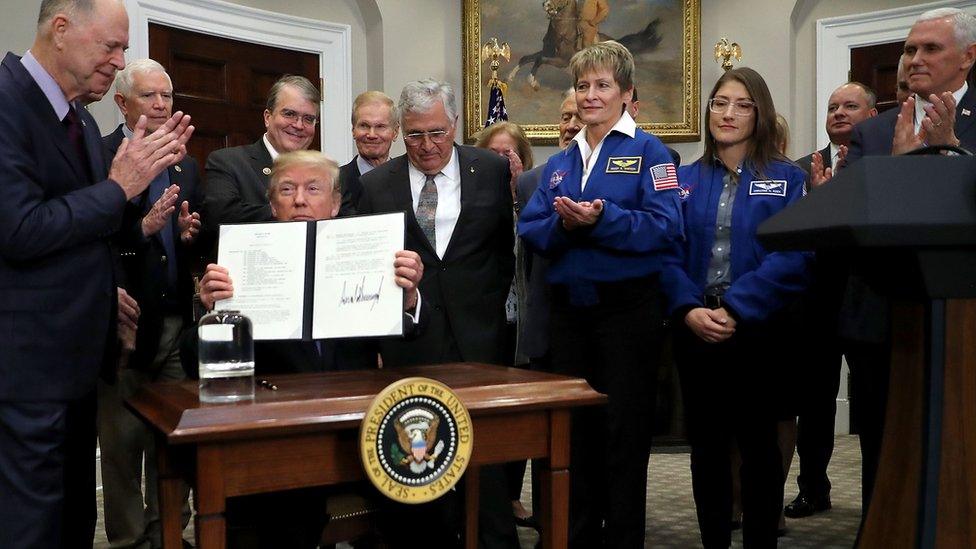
{"points": [[664, 176], [496, 106]]}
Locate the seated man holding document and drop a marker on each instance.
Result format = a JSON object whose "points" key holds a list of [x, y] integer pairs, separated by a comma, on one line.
{"points": [[304, 187]]}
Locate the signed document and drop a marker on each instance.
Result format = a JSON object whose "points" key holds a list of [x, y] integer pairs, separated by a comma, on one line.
{"points": [[355, 292], [316, 279], [267, 262]]}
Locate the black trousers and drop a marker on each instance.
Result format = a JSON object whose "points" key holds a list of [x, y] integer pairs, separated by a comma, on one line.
{"points": [[729, 393], [870, 365], [47, 474], [438, 523], [815, 421], [615, 345], [815, 389]]}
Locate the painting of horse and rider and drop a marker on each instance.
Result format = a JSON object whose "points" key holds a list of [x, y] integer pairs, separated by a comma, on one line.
{"points": [[543, 35]]}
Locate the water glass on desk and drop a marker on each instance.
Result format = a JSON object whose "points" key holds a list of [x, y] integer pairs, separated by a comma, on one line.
{"points": [[226, 353]]}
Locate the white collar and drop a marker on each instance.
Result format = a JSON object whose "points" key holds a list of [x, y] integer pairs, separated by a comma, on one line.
{"points": [[270, 147], [921, 103], [624, 125]]}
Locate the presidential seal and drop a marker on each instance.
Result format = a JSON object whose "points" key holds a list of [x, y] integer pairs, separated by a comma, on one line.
{"points": [[415, 440]]}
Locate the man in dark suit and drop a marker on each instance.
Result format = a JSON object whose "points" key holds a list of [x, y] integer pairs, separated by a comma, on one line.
{"points": [[155, 248], [534, 322], [295, 519], [459, 219], [847, 106], [58, 307], [236, 185], [939, 52], [375, 125]]}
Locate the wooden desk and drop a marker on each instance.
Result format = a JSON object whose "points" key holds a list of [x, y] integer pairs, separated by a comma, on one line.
{"points": [[307, 434]]}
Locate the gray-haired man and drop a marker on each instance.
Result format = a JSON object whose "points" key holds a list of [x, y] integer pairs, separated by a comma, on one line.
{"points": [[154, 247], [460, 222]]}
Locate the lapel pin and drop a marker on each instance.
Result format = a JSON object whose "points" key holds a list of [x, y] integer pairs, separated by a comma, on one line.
{"points": [[965, 112], [266, 171], [178, 168], [472, 169]]}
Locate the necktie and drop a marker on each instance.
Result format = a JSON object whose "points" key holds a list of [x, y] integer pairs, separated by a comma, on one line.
{"points": [[76, 136], [427, 208], [156, 189]]}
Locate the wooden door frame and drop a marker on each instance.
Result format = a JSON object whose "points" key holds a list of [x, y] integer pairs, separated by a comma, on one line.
{"points": [[330, 41], [836, 36]]}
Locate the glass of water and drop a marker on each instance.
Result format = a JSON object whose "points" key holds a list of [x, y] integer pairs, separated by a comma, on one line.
{"points": [[226, 353]]}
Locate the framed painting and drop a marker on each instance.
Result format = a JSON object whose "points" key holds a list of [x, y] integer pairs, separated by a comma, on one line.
{"points": [[663, 35]]}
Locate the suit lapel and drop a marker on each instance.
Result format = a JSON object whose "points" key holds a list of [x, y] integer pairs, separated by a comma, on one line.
{"points": [[261, 162], [468, 168], [36, 101], [403, 199], [964, 121]]}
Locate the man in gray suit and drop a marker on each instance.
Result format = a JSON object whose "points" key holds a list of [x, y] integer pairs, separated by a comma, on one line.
{"points": [[236, 184]]}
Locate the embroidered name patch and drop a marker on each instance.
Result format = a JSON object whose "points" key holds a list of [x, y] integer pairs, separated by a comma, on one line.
{"points": [[557, 178], [768, 188], [664, 177], [624, 164]]}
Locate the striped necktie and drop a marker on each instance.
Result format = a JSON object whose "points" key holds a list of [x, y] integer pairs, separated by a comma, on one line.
{"points": [[426, 210]]}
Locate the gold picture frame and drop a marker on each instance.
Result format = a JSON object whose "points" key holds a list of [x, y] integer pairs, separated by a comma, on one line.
{"points": [[668, 74]]}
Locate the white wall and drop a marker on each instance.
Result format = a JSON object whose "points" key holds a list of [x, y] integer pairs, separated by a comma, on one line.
{"points": [[395, 41]]}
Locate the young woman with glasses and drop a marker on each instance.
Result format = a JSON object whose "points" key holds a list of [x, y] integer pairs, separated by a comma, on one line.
{"points": [[728, 295]]}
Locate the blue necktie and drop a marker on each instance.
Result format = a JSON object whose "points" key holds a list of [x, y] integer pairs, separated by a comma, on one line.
{"points": [[156, 189]]}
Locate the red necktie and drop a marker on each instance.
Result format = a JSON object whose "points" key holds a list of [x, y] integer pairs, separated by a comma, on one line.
{"points": [[76, 136]]}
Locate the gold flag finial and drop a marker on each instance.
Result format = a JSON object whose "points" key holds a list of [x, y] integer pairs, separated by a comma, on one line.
{"points": [[492, 51], [725, 51]]}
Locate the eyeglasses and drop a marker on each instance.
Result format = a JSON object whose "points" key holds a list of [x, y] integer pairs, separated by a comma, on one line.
{"points": [[294, 116], [436, 137], [719, 105]]}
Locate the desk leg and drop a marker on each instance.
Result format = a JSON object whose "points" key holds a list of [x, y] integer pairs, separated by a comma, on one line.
{"points": [[555, 483], [170, 497], [211, 526], [472, 482]]}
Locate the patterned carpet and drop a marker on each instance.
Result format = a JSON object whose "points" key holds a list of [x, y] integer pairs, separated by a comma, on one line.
{"points": [[671, 519]]}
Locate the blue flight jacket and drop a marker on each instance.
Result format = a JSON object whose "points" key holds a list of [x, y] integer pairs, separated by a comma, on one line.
{"points": [[763, 283], [637, 223]]}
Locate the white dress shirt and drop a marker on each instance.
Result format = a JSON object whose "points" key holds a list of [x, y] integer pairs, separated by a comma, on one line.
{"points": [[448, 183], [271, 149], [834, 155], [625, 125]]}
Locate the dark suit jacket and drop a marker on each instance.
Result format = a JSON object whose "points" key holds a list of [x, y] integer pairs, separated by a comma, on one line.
{"points": [[534, 316], [463, 294], [873, 136], [236, 186], [351, 187], [57, 286], [143, 261], [807, 161]]}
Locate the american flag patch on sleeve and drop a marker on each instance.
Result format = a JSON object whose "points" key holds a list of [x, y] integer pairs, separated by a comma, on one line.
{"points": [[665, 177]]}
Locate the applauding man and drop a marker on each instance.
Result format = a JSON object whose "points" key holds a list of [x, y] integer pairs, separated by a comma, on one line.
{"points": [[56, 267]]}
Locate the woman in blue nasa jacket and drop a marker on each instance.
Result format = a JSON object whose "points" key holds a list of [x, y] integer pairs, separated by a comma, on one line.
{"points": [[726, 293], [604, 211]]}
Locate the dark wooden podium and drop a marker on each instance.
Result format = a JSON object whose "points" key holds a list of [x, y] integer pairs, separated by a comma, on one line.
{"points": [[307, 434], [907, 225]]}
